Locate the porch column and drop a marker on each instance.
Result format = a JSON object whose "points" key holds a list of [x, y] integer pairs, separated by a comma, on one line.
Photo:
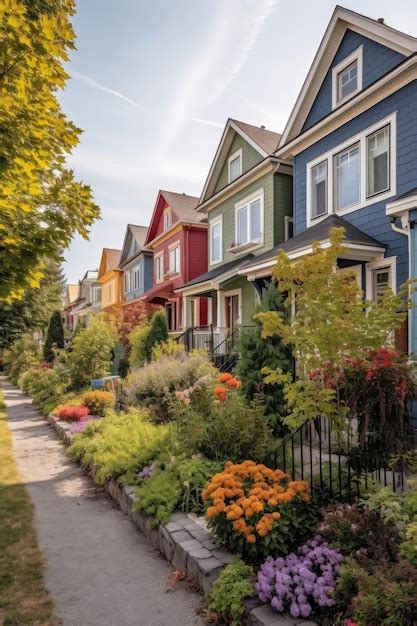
{"points": [[221, 313], [186, 320]]}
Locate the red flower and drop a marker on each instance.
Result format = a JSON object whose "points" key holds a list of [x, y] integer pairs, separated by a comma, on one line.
{"points": [[73, 413]]}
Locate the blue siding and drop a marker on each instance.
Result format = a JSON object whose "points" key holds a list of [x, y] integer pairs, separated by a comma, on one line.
{"points": [[371, 219], [146, 275], [377, 61]]}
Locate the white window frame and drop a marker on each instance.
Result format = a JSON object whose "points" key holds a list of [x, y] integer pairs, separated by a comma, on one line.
{"points": [[128, 281], [356, 271], [159, 265], [390, 263], [167, 219], [176, 249], [357, 55], [257, 195], [231, 158], [234, 292], [110, 292], [135, 278], [364, 201], [217, 221]]}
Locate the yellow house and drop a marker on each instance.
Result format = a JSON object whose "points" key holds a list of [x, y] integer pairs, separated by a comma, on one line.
{"points": [[110, 278]]}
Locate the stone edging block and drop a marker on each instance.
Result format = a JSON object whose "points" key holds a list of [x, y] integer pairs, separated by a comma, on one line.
{"points": [[184, 543]]}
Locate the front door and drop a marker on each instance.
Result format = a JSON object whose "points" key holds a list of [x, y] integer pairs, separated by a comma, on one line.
{"points": [[232, 312], [171, 316]]}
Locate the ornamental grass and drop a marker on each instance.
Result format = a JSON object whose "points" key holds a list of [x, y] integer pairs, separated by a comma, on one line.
{"points": [[256, 511]]}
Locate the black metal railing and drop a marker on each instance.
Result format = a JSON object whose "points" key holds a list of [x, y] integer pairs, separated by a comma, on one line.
{"points": [[321, 454]]}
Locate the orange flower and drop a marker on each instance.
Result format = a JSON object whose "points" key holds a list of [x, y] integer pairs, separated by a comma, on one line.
{"points": [[233, 383], [251, 538], [224, 377]]}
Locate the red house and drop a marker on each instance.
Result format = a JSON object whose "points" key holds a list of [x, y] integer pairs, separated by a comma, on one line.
{"points": [[177, 235]]}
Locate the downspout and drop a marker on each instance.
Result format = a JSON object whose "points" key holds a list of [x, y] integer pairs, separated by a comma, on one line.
{"points": [[397, 229]]}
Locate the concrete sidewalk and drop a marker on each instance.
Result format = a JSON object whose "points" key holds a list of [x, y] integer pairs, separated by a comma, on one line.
{"points": [[100, 570]]}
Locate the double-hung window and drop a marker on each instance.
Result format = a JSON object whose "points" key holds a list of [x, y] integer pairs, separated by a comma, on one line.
{"points": [[319, 189], [167, 219], [174, 260], [249, 222], [347, 78], [377, 148], [127, 281], [216, 240], [347, 81], [347, 179], [159, 268], [136, 277], [235, 165]]}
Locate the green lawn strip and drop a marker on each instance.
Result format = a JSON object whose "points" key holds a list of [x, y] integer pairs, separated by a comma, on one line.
{"points": [[23, 596]]}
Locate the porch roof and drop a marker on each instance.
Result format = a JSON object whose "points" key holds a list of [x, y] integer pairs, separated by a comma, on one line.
{"points": [[301, 244], [216, 274], [161, 291]]}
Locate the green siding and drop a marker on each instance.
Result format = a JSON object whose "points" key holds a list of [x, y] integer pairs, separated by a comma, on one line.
{"points": [[282, 204], [248, 297], [227, 208], [250, 158]]}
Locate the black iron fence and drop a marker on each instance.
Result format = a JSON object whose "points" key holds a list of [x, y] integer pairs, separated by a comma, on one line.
{"points": [[324, 455]]}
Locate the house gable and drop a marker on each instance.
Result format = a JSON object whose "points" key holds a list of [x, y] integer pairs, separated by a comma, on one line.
{"points": [[371, 30], [377, 60], [250, 158], [255, 144]]}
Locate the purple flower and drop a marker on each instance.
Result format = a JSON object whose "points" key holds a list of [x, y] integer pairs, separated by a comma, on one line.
{"points": [[146, 472]]}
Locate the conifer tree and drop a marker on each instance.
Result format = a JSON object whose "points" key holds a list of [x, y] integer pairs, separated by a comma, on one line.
{"points": [[54, 337], [158, 332], [257, 353]]}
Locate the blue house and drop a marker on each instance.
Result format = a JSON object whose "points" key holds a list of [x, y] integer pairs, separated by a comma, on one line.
{"points": [[352, 137], [136, 263]]}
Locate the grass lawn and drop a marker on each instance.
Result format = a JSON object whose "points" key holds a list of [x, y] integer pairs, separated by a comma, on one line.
{"points": [[23, 596]]}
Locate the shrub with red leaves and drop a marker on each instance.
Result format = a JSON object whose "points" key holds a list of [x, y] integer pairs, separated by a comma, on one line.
{"points": [[73, 413]]}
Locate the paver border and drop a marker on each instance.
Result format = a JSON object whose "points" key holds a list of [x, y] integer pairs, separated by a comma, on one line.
{"points": [[186, 545]]}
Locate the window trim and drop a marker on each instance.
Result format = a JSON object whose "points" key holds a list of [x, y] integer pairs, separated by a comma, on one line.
{"points": [[378, 193], [167, 218], [172, 247], [389, 263], [288, 219], [344, 151], [256, 195], [357, 55], [216, 221], [326, 180], [232, 157], [128, 281], [156, 261], [110, 292], [135, 272], [364, 201]]}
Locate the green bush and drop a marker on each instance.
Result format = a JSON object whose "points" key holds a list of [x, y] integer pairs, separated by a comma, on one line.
{"points": [[220, 430], [381, 596], [20, 357], [45, 386], [229, 591], [119, 443], [92, 351], [408, 547], [155, 384], [137, 340], [178, 485], [54, 337], [158, 332]]}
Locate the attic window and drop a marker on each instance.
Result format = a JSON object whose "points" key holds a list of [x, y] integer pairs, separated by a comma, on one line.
{"points": [[167, 219], [347, 78], [235, 165]]}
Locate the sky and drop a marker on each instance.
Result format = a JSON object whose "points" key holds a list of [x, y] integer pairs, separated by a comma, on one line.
{"points": [[153, 83]]}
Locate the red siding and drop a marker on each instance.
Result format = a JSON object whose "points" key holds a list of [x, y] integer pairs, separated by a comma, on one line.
{"points": [[197, 252]]}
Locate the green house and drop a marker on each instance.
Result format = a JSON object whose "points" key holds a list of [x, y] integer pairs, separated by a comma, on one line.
{"points": [[248, 200]]}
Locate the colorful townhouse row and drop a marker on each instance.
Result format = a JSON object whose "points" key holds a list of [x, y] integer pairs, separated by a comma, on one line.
{"points": [[347, 157]]}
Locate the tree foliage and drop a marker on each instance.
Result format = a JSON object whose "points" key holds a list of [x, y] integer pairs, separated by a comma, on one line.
{"points": [[91, 350], [41, 204], [54, 337], [158, 332], [257, 352], [332, 325]]}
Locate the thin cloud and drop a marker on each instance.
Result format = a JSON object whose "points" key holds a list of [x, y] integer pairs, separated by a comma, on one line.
{"points": [[198, 120], [93, 83], [234, 31]]}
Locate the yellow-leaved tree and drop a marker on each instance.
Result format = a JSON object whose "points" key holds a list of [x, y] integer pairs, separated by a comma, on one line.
{"points": [[42, 206]]}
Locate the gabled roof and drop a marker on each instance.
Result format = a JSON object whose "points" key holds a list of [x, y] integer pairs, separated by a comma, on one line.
{"points": [[139, 235], [319, 232], [182, 205], [72, 292], [262, 140], [90, 275], [341, 20], [110, 258]]}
